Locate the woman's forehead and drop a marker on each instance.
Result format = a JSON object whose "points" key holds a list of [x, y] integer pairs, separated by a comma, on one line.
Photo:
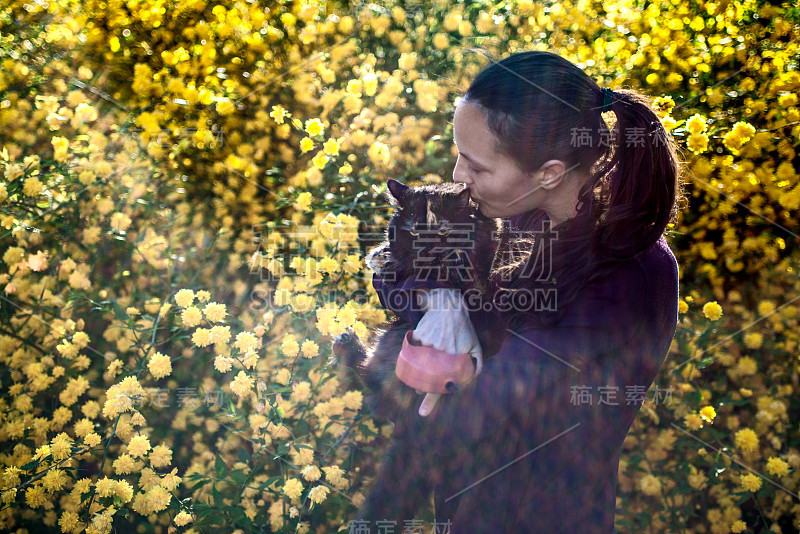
{"points": [[470, 128]]}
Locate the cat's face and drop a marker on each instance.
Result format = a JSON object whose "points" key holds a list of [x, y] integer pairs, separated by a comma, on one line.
{"points": [[430, 216]]}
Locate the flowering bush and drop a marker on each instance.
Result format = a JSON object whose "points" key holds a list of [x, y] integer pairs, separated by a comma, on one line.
{"points": [[188, 190]]}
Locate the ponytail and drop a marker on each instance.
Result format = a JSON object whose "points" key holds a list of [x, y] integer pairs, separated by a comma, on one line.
{"points": [[639, 179]]}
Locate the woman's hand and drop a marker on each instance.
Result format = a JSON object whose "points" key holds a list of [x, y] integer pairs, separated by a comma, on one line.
{"points": [[446, 327]]}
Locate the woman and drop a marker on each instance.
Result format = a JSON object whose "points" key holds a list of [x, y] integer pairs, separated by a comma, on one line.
{"points": [[533, 443]]}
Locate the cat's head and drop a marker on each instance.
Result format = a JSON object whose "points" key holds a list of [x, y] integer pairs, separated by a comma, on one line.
{"points": [[432, 213]]}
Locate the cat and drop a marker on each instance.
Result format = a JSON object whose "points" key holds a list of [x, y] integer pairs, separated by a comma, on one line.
{"points": [[436, 233]]}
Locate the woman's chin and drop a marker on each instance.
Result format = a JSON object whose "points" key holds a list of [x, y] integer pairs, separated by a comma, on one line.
{"points": [[487, 211]]}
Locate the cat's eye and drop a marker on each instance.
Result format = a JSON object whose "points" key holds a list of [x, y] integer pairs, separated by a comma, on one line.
{"points": [[413, 233], [444, 231]]}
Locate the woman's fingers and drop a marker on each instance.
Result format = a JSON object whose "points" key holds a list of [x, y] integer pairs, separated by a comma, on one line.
{"points": [[428, 403]]}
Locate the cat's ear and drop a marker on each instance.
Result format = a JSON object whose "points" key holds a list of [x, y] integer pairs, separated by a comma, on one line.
{"points": [[463, 196], [397, 189]]}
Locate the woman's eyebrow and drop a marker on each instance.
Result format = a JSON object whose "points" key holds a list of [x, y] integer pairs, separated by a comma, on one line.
{"points": [[471, 160]]}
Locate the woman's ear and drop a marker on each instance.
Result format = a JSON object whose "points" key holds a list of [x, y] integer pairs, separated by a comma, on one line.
{"points": [[397, 190], [551, 173]]}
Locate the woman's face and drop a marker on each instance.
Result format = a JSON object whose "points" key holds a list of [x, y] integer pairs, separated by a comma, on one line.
{"points": [[500, 188]]}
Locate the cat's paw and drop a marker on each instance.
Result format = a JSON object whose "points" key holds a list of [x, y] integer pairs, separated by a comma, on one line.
{"points": [[347, 348]]}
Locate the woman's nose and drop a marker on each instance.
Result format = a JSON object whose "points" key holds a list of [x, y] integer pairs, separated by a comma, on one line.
{"points": [[459, 174]]}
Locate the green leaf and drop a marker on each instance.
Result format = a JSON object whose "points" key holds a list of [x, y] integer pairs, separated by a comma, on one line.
{"points": [[119, 311], [219, 466], [30, 465], [766, 491], [238, 476], [123, 512]]}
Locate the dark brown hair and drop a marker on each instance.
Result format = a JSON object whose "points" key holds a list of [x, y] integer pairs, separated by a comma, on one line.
{"points": [[541, 107]]}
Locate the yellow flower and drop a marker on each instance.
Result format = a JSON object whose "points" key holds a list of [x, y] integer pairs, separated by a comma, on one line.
{"points": [[306, 144], [766, 307], [650, 485], [214, 312], [92, 439], [669, 123], [319, 160], [708, 413], [747, 366], [334, 474], [746, 440], [220, 334], [293, 488], [353, 400], [663, 105], [246, 341], [693, 421], [753, 340], [124, 465], [183, 518], [712, 310], [750, 482], [184, 297], [32, 187], [303, 201], [379, 153], [331, 147], [301, 392], [302, 303], [309, 349], [314, 127], [160, 456], [242, 384], [279, 113], [738, 526], [191, 316], [35, 496], [55, 480], [328, 265], [225, 106], [738, 136], [60, 446], [318, 494], [289, 346], [311, 473], [697, 143], [682, 306], [346, 317], [138, 446], [201, 337], [68, 521], [777, 467], [222, 363], [440, 41], [696, 124], [10, 476], [160, 365]]}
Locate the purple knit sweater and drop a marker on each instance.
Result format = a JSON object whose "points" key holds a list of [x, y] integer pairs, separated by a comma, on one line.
{"points": [[533, 444]]}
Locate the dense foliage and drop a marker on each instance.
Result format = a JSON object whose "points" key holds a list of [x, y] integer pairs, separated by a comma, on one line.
{"points": [[188, 190]]}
